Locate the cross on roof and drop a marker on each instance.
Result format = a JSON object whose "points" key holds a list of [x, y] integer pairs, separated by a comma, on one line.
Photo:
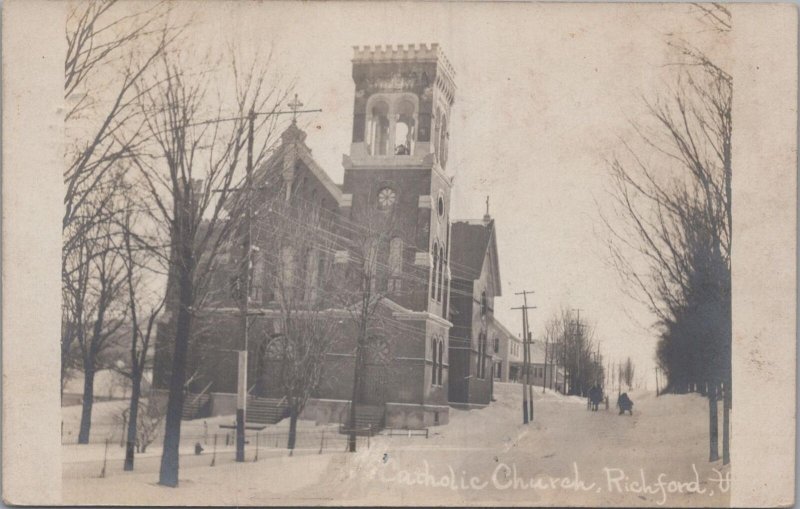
{"points": [[294, 106]]}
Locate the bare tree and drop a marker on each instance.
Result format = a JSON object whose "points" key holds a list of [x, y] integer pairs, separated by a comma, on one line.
{"points": [[101, 315], [109, 47], [573, 349], [143, 308], [672, 208], [627, 373], [362, 294], [148, 422], [298, 264], [190, 179]]}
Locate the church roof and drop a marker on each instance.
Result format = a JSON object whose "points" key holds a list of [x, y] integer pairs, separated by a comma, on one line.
{"points": [[472, 242], [294, 137]]}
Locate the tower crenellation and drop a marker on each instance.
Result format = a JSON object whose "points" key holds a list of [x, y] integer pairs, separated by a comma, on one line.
{"points": [[400, 52], [403, 96]]}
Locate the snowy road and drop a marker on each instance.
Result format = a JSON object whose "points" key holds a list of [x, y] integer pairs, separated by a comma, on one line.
{"points": [[567, 456]]}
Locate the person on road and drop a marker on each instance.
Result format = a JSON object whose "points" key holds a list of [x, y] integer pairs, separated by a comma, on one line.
{"points": [[625, 404], [595, 396]]}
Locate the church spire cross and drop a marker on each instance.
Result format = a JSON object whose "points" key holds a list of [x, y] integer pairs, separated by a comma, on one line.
{"points": [[487, 205], [294, 106]]}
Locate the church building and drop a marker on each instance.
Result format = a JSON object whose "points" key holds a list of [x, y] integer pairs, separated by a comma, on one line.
{"points": [[396, 180]]}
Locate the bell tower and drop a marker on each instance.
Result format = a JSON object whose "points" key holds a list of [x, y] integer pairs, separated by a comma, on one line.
{"points": [[397, 165], [401, 108]]}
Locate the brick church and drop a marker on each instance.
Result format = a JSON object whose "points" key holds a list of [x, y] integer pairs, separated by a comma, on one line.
{"points": [[440, 279]]}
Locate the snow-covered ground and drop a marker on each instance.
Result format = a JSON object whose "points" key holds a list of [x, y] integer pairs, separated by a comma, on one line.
{"points": [[567, 456]]}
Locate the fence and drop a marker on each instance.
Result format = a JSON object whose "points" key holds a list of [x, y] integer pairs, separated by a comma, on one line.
{"points": [[207, 450]]}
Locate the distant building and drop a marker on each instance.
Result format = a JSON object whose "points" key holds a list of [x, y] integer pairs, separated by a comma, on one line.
{"points": [[507, 353], [541, 374]]}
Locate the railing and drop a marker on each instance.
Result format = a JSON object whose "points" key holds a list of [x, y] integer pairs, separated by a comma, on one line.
{"points": [[363, 431], [406, 432], [200, 395], [205, 450]]}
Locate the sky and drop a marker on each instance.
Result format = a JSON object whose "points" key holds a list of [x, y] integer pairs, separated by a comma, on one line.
{"points": [[545, 93]]}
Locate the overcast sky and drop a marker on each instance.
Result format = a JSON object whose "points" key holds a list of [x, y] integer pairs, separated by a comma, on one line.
{"points": [[545, 92]]}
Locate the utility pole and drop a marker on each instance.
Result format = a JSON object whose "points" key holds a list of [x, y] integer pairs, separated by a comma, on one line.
{"points": [[247, 241], [245, 268], [578, 352], [524, 368], [544, 378], [527, 391], [597, 365], [564, 357]]}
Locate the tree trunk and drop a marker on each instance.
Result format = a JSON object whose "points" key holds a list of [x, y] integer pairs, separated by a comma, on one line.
{"points": [[726, 430], [351, 440], [713, 431], [88, 399], [132, 420], [292, 427], [168, 475]]}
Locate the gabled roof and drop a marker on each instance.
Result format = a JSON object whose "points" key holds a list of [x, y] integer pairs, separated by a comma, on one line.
{"points": [[294, 138], [471, 242], [304, 154]]}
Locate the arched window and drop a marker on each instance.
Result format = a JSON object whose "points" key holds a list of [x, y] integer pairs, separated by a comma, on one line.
{"points": [[378, 129], [435, 268], [404, 128], [440, 282], [481, 354], [442, 142], [437, 129], [395, 263], [371, 263], [435, 356], [287, 273], [440, 362], [484, 304]]}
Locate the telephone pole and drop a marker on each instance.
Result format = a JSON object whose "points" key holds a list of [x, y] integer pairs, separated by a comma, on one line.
{"points": [[527, 390], [544, 377], [246, 266], [247, 246], [564, 359], [578, 354], [524, 367]]}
